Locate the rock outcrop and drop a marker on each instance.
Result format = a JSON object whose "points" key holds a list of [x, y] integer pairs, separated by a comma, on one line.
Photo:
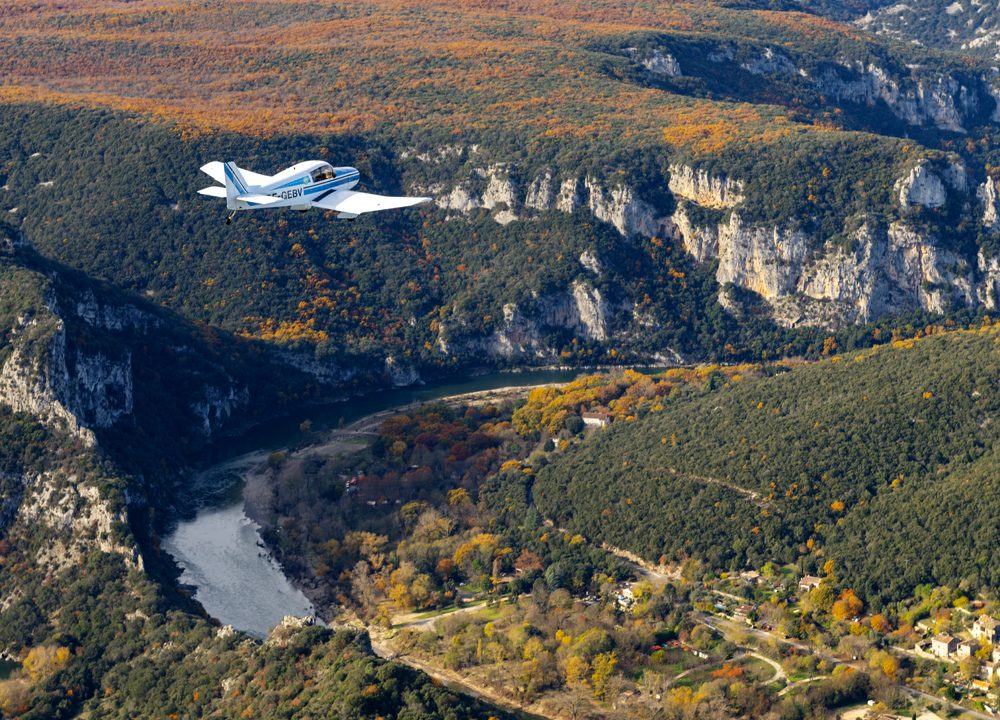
{"points": [[76, 520], [616, 204], [921, 187], [942, 100], [524, 333], [884, 267], [990, 199], [659, 62], [71, 389], [706, 190]]}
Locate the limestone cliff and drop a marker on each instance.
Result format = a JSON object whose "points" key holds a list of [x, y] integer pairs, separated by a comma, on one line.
{"points": [[523, 333], [881, 268]]}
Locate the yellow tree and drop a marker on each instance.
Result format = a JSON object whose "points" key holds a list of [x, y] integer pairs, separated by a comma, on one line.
{"points": [[604, 666], [576, 671]]}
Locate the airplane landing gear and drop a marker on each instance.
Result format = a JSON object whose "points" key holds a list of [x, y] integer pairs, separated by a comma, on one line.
{"points": [[229, 219]]}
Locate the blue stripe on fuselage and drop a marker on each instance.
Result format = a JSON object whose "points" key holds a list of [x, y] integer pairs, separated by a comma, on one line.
{"points": [[332, 183], [321, 187], [302, 181]]}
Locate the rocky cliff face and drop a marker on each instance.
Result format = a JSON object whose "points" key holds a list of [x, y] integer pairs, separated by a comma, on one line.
{"points": [[64, 386], [70, 359], [508, 200], [703, 189], [523, 333], [75, 519], [883, 268], [916, 97]]}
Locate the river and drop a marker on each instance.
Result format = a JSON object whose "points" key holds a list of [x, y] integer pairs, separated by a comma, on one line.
{"points": [[220, 550]]}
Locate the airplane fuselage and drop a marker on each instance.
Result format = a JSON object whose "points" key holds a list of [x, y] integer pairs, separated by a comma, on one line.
{"points": [[302, 184]]}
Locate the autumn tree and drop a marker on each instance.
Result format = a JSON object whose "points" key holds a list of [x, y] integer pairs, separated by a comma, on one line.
{"points": [[848, 605], [603, 666], [576, 671]]}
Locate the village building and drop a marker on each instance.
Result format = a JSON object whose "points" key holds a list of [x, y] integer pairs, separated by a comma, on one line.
{"points": [[967, 648], [625, 598], [596, 419], [986, 629], [943, 645], [809, 582], [751, 577], [743, 612]]}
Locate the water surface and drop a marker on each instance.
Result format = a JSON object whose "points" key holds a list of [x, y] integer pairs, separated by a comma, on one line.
{"points": [[220, 550]]}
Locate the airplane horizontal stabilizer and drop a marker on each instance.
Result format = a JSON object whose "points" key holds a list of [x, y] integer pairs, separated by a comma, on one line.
{"points": [[213, 191], [216, 171]]}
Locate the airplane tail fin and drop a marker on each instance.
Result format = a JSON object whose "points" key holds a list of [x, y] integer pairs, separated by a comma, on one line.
{"points": [[235, 184]]}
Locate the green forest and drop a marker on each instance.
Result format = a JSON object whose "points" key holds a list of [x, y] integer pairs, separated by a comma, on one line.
{"points": [[876, 460], [114, 196]]}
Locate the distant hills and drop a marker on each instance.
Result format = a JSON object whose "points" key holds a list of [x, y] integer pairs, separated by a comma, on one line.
{"points": [[686, 180]]}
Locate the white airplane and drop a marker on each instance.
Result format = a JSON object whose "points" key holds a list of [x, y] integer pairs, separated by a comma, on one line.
{"points": [[312, 184]]}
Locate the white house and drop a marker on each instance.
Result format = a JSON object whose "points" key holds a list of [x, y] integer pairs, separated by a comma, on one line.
{"points": [[986, 629], [943, 645], [596, 419]]}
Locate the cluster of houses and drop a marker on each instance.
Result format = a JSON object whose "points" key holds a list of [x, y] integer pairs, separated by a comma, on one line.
{"points": [[985, 631]]}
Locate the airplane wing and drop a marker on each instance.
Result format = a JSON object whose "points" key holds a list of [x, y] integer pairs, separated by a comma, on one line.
{"points": [[355, 203], [217, 171]]}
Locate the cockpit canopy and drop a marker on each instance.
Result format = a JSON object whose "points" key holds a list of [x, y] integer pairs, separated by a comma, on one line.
{"points": [[323, 173]]}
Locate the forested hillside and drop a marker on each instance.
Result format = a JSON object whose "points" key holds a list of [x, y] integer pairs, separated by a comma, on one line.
{"points": [[882, 461], [104, 399], [118, 199], [610, 182]]}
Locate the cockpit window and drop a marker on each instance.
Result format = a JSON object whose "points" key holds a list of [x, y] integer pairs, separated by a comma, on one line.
{"points": [[323, 173]]}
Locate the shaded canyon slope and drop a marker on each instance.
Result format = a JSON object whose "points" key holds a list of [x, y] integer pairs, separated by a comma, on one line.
{"points": [[103, 397]]}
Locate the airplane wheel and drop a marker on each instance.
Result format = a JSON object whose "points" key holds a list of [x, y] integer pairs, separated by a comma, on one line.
{"points": [[229, 221]]}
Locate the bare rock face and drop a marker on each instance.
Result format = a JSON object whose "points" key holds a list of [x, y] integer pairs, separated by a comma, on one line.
{"points": [[942, 100], [590, 311], [921, 187], [990, 199], [568, 199], [988, 291], [541, 193], [620, 207], [590, 261], [765, 260], [770, 62], [702, 243], [581, 309], [617, 204], [500, 194], [77, 519], [704, 189], [400, 374], [217, 405], [658, 62], [95, 393]]}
